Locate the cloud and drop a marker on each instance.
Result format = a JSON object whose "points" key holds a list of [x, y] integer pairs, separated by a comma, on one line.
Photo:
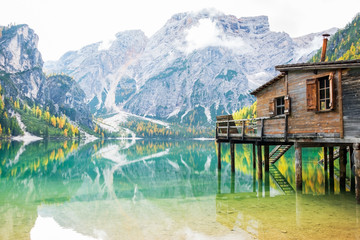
{"points": [[207, 34], [106, 44]]}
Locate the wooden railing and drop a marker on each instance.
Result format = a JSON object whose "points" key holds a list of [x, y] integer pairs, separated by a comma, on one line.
{"points": [[256, 128]]}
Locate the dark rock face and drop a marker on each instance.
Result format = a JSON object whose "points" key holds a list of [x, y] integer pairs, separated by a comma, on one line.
{"points": [[63, 94]]}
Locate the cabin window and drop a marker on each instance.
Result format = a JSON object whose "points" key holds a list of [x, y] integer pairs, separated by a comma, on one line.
{"points": [[319, 93], [324, 93], [280, 106]]}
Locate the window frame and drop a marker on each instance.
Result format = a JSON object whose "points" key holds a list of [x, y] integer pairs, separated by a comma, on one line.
{"points": [[313, 93], [324, 96], [280, 106]]}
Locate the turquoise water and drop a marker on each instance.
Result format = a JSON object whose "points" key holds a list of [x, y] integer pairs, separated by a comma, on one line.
{"points": [[163, 190]]}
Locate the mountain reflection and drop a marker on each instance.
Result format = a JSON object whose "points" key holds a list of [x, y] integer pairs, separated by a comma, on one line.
{"points": [[63, 181]]}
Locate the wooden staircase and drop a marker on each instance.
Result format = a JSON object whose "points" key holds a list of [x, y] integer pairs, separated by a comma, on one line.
{"points": [[277, 152], [280, 180]]}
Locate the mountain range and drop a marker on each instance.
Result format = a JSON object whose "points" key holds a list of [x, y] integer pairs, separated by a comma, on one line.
{"points": [[197, 66]]}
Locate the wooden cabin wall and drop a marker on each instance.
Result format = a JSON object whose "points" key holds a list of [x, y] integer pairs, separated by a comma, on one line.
{"points": [[274, 127], [351, 103], [302, 121], [275, 90]]}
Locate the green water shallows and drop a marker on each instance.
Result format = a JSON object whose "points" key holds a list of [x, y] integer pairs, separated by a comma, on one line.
{"points": [[164, 190]]}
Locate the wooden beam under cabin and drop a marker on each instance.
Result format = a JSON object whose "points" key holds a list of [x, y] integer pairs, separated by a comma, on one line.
{"points": [[254, 155], [352, 169], [232, 156], [357, 171], [331, 169], [342, 164], [267, 157], [298, 167], [219, 155], [325, 159], [259, 162]]}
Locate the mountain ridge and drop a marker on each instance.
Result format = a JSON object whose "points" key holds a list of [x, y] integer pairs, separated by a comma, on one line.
{"points": [[197, 66]]}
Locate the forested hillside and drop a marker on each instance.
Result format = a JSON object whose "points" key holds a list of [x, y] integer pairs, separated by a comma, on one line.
{"points": [[344, 44], [8, 125]]}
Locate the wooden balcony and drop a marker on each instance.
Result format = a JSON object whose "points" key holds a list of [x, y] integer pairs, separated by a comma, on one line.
{"points": [[250, 130]]}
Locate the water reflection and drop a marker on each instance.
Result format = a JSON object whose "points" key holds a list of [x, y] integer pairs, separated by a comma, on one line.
{"points": [[157, 190]]}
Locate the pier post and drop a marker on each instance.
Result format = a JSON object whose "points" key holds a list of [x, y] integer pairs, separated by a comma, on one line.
{"points": [[219, 155], [259, 162], [357, 171], [254, 156], [326, 170], [219, 182], [298, 167], [254, 180], [232, 156], [342, 164], [267, 157], [325, 159], [232, 182], [331, 169], [352, 169], [267, 184]]}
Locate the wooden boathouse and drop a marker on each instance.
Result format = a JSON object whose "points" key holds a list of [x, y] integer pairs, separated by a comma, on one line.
{"points": [[306, 105]]}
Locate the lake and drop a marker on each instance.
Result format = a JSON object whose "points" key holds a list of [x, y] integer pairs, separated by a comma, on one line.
{"points": [[153, 189]]}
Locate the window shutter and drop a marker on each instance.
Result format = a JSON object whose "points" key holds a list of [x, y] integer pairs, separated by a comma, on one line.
{"points": [[311, 94], [287, 105], [331, 85], [272, 107]]}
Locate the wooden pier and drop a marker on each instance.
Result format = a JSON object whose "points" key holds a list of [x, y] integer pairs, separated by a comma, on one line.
{"points": [[306, 105]]}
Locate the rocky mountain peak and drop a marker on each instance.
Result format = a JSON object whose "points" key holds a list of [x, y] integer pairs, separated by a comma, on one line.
{"points": [[198, 65], [18, 49]]}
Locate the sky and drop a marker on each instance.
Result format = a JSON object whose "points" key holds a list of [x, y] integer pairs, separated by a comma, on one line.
{"points": [[64, 25]]}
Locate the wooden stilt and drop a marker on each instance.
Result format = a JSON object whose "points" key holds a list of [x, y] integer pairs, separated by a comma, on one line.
{"points": [[267, 157], [259, 162], [260, 187], [342, 164], [254, 180], [326, 181], [357, 171], [232, 156], [254, 156], [219, 182], [298, 167], [232, 183], [325, 159], [352, 169], [331, 169], [267, 183], [326, 170], [219, 155]]}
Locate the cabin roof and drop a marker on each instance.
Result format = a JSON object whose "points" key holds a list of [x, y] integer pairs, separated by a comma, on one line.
{"points": [[275, 79], [308, 66], [319, 65]]}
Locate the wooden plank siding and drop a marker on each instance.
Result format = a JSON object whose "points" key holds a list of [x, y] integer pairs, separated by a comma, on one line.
{"points": [[302, 121], [351, 103], [265, 96]]}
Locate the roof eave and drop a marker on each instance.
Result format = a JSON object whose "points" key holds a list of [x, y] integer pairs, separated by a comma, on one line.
{"points": [[267, 84], [320, 65]]}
